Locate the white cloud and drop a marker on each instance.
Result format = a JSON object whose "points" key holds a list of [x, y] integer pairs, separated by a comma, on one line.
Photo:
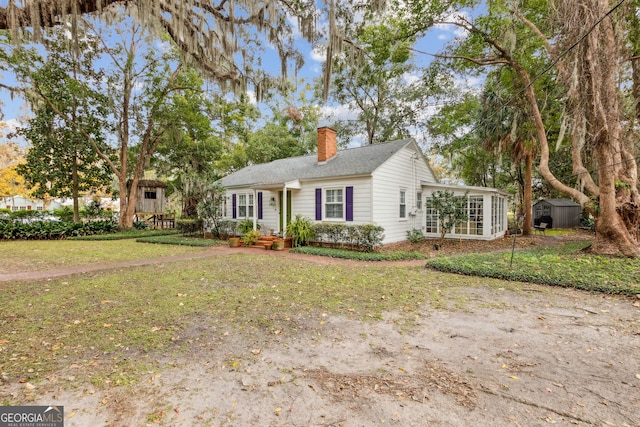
{"points": [[409, 78], [294, 25], [253, 100], [451, 30], [11, 125], [318, 53], [163, 46], [341, 112]]}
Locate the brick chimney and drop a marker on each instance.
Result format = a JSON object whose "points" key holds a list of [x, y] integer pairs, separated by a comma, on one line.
{"points": [[327, 146]]}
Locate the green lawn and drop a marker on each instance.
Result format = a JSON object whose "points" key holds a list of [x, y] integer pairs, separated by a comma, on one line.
{"points": [[116, 324], [32, 255], [110, 323]]}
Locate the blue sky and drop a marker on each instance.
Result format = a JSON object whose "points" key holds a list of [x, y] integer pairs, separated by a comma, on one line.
{"points": [[16, 112]]}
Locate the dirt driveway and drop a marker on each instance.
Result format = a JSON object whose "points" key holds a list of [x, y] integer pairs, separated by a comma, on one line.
{"points": [[529, 357]]}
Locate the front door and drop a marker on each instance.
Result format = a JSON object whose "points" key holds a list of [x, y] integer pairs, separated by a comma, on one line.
{"points": [[280, 196]]}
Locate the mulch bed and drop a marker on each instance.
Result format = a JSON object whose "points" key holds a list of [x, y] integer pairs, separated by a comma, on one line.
{"points": [[433, 247]]}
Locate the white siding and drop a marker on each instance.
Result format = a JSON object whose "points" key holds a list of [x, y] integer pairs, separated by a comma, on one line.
{"points": [[304, 200], [21, 203], [404, 171], [270, 218]]}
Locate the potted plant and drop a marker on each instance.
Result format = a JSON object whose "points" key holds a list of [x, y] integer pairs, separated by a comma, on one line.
{"points": [[234, 242], [251, 237], [277, 245]]}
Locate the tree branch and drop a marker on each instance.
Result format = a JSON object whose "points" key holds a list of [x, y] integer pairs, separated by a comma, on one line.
{"points": [[45, 12]]}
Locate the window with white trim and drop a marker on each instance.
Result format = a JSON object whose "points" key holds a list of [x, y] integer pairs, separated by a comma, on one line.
{"points": [[473, 224], [498, 207], [431, 217], [245, 205], [419, 200], [403, 204], [333, 203]]}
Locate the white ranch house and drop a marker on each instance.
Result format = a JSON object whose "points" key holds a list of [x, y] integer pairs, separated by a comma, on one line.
{"points": [[21, 203], [387, 184]]}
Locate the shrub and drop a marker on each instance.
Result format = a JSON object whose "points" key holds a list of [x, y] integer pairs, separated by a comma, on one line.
{"points": [[251, 237], [24, 214], [228, 227], [365, 237], [415, 235], [48, 230], [65, 213], [338, 234], [246, 225], [189, 226], [210, 210], [140, 225], [370, 237], [301, 230]]}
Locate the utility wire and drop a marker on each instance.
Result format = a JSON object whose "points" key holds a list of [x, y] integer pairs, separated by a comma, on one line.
{"points": [[548, 68]]}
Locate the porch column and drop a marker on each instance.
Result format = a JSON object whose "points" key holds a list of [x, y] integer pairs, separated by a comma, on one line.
{"points": [[255, 209], [284, 211]]}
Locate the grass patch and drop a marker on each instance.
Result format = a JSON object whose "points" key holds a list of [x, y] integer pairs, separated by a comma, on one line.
{"points": [[127, 234], [182, 240], [566, 265], [143, 314], [358, 256], [557, 232], [33, 255]]}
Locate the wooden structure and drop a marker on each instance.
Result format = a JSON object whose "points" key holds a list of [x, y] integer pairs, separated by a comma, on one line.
{"points": [[150, 204], [557, 213]]}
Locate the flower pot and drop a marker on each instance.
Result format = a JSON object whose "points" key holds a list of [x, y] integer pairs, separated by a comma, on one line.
{"points": [[277, 245], [234, 242]]}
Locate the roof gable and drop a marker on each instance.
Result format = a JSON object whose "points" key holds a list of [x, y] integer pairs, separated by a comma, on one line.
{"points": [[354, 161]]}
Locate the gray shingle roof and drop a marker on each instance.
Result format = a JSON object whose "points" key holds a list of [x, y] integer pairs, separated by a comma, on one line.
{"points": [[559, 202], [353, 161]]}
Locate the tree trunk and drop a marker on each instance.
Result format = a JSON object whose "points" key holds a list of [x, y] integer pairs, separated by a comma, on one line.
{"points": [[613, 236], [528, 195], [74, 189]]}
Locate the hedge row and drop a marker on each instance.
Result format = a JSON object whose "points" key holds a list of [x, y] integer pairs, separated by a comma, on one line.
{"points": [[180, 240], [358, 256], [52, 230], [366, 237]]}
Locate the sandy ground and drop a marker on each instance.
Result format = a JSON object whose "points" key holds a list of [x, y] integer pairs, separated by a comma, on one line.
{"points": [[513, 358]]}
